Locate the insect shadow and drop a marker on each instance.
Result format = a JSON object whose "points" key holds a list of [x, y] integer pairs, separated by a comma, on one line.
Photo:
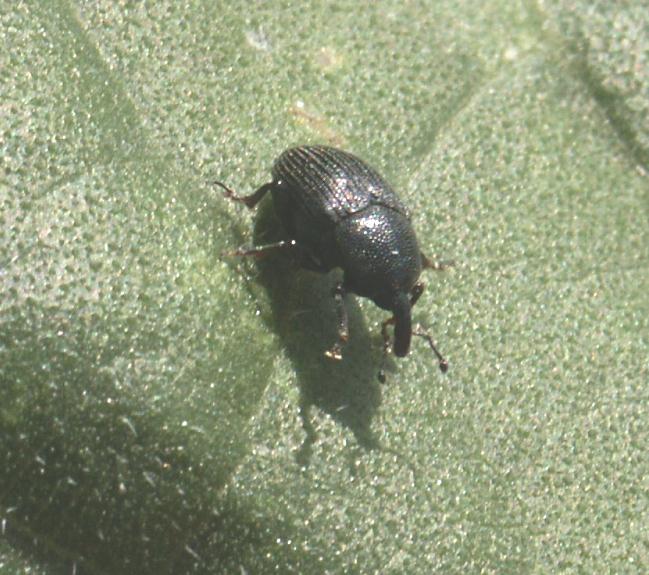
{"points": [[304, 317]]}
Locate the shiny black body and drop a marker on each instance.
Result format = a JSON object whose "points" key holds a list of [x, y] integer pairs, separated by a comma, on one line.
{"points": [[340, 213], [343, 214]]}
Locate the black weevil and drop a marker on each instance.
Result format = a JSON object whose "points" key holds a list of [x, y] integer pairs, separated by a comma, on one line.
{"points": [[339, 212]]}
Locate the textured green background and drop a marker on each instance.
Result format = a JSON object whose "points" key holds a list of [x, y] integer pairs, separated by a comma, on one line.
{"points": [[150, 393]]}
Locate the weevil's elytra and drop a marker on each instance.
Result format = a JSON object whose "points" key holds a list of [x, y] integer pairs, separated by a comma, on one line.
{"points": [[338, 212]]}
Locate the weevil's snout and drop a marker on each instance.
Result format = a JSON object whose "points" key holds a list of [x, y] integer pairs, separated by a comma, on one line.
{"points": [[402, 325]]}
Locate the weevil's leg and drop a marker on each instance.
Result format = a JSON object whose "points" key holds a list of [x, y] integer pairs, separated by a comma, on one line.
{"points": [[263, 251], [421, 332], [386, 346], [343, 331], [416, 292], [436, 265], [250, 201]]}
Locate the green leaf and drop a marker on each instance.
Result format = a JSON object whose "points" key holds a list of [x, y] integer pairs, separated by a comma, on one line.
{"points": [[164, 409]]}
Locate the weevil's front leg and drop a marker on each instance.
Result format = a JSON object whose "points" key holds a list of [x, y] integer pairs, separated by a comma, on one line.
{"points": [[421, 332], [343, 330]]}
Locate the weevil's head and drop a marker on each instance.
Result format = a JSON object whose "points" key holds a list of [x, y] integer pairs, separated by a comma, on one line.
{"points": [[381, 259], [380, 256]]}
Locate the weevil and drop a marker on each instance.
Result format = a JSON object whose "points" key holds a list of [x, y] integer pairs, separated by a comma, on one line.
{"points": [[338, 212]]}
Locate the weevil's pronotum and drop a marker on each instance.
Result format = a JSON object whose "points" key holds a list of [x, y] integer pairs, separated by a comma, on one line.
{"points": [[338, 212]]}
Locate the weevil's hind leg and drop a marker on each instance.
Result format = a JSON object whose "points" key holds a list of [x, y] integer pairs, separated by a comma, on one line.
{"points": [[263, 251], [343, 330], [250, 201], [421, 332], [438, 266]]}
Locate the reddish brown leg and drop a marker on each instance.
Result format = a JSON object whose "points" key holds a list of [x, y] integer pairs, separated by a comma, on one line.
{"points": [[437, 265], [343, 332], [386, 347], [416, 292], [249, 201], [421, 332]]}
